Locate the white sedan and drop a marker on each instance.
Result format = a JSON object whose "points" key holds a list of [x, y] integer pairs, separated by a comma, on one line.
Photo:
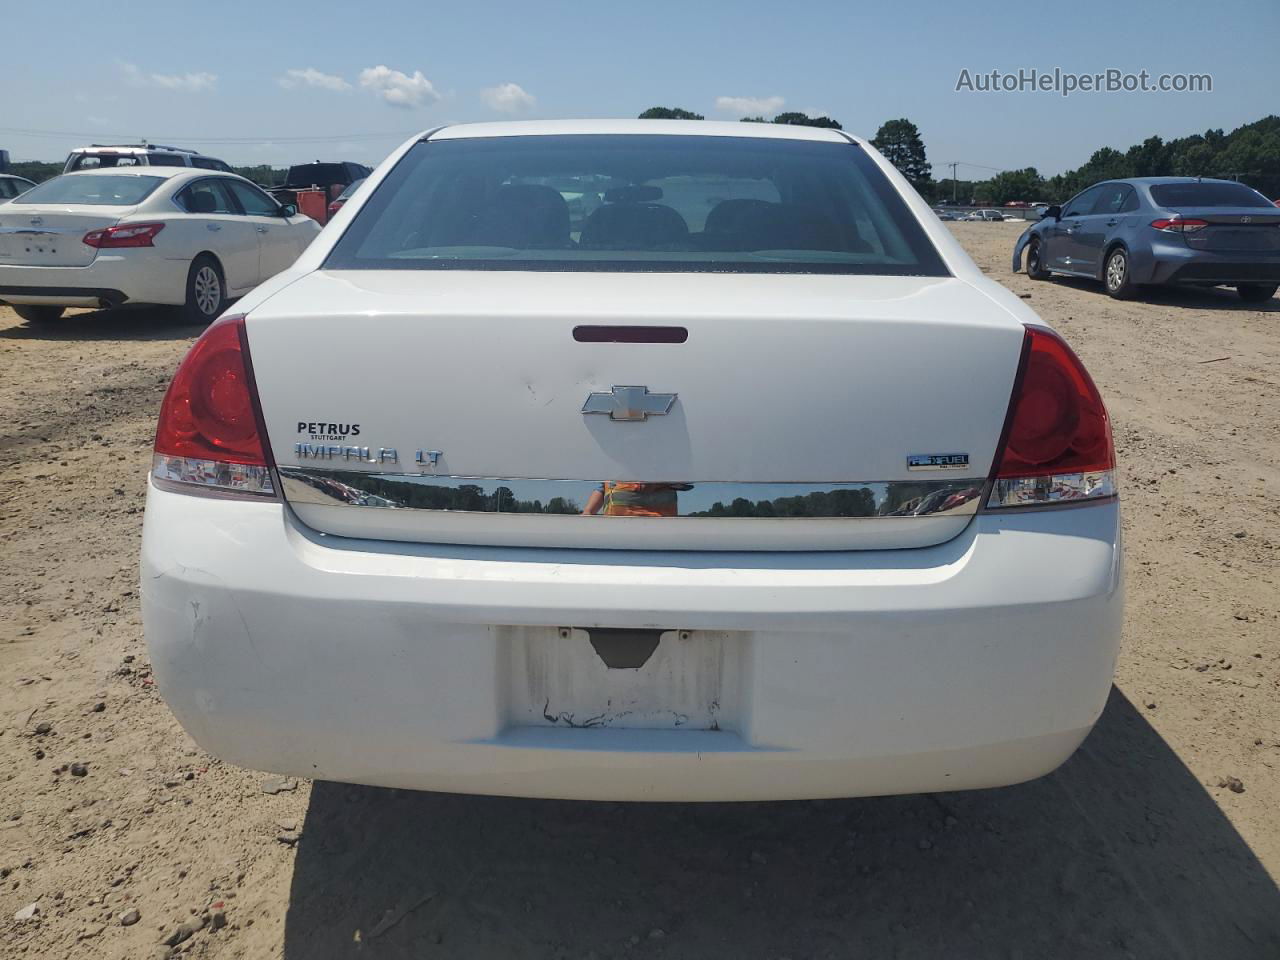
{"points": [[150, 235], [739, 482]]}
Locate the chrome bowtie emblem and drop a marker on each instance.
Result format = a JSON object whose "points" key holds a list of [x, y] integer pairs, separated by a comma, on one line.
{"points": [[1246, 219], [629, 403]]}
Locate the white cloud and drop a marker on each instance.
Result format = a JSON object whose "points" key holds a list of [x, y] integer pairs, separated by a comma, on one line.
{"points": [[508, 98], [187, 82], [311, 77], [750, 106], [399, 89]]}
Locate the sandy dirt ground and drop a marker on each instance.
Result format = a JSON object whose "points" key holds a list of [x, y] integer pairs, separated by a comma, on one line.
{"points": [[1160, 838]]}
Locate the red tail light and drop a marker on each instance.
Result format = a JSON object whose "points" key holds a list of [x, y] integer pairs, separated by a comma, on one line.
{"points": [[1057, 440], [124, 235], [1178, 225], [211, 435]]}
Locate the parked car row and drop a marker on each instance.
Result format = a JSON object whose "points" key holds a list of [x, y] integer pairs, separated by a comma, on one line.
{"points": [[1159, 231], [985, 215], [167, 225]]}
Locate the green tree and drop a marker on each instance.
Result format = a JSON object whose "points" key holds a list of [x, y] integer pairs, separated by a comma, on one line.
{"points": [[804, 120], [263, 173], [1250, 153], [670, 113], [1009, 185], [34, 170], [1147, 159], [899, 141]]}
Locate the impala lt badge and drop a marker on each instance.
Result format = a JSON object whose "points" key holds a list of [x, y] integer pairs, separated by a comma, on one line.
{"points": [[629, 403]]}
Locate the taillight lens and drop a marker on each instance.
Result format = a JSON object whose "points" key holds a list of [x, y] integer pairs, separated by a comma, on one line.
{"points": [[211, 438], [1057, 442], [124, 235], [1179, 225]]}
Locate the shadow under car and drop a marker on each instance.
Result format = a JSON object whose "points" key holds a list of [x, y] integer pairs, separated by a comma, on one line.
{"points": [[1120, 853]]}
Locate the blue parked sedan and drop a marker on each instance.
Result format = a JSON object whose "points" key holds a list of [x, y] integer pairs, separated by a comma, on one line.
{"points": [[1151, 231]]}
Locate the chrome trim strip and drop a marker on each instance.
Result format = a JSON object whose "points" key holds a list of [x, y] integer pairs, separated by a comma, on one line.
{"points": [[36, 231], [427, 492]]}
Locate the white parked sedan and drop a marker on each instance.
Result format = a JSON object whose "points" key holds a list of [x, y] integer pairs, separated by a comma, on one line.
{"points": [[146, 235], [733, 479]]}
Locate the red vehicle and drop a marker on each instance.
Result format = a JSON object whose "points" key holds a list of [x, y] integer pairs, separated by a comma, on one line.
{"points": [[344, 196]]}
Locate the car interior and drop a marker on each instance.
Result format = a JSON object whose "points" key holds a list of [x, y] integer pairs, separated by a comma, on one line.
{"points": [[533, 216], [205, 197]]}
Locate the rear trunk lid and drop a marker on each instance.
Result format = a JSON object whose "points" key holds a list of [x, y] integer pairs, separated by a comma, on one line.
{"points": [[52, 235], [454, 401], [1234, 229]]}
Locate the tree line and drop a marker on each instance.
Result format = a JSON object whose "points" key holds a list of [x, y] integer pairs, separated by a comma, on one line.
{"points": [[1250, 154], [38, 171]]}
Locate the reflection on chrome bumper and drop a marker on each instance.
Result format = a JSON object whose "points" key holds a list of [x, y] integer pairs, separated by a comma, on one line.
{"points": [[855, 500], [1053, 490]]}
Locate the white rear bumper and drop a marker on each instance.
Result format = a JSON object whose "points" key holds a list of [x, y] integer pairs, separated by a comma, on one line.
{"points": [[980, 662], [135, 275]]}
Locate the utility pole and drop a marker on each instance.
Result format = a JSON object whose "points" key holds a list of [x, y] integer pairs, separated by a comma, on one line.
{"points": [[953, 165]]}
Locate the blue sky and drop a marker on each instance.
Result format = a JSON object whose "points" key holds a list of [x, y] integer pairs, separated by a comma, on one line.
{"points": [[249, 81]]}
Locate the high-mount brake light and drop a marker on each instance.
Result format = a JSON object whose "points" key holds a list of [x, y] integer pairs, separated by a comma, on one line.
{"points": [[124, 235], [1057, 444], [211, 438]]}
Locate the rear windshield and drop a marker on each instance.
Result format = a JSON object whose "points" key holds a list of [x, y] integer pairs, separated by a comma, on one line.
{"points": [[1207, 195], [107, 190], [316, 174], [93, 161], [637, 202]]}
